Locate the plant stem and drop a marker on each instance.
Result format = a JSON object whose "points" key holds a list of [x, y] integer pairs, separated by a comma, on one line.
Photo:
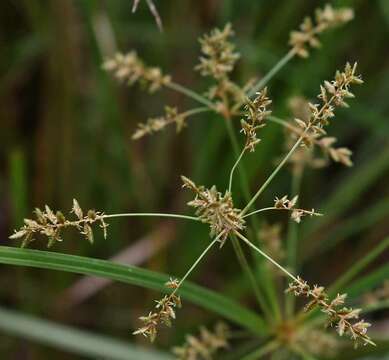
{"points": [[235, 146], [281, 122], [269, 258], [214, 241], [246, 268], [262, 351], [234, 167], [196, 111], [274, 70], [261, 210], [292, 242], [192, 94], [178, 216], [268, 284], [274, 173]]}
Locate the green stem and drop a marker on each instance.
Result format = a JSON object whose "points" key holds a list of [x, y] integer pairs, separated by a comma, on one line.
{"points": [[268, 284], [292, 242], [269, 258], [192, 94], [196, 111], [261, 210], [281, 122], [262, 351], [234, 167], [178, 216], [197, 262], [274, 70], [379, 305], [235, 146], [250, 275], [274, 173]]}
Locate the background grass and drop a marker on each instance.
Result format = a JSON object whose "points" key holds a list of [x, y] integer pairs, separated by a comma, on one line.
{"points": [[65, 132]]}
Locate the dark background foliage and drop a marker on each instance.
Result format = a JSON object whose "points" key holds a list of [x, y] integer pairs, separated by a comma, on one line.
{"points": [[65, 131]]}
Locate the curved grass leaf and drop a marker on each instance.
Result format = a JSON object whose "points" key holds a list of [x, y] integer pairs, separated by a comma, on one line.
{"points": [[72, 340], [368, 282], [198, 295], [359, 265]]}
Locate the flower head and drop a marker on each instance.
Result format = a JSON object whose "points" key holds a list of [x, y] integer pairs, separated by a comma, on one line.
{"points": [[50, 224], [215, 209], [256, 113], [131, 69], [218, 58], [307, 35]]}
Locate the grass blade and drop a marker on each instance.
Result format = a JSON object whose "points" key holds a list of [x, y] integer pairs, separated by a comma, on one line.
{"points": [[360, 265], [198, 295], [70, 339]]}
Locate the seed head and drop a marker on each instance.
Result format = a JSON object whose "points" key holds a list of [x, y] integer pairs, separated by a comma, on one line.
{"points": [[339, 316], [218, 58], [215, 209], [163, 314], [256, 113], [131, 69], [154, 125], [205, 345], [50, 225], [325, 19]]}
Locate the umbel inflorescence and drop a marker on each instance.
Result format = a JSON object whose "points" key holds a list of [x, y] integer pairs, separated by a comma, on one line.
{"points": [[219, 209]]}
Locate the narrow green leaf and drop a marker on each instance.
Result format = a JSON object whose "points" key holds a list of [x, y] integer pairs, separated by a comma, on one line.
{"points": [[71, 339], [360, 265], [368, 282], [198, 295]]}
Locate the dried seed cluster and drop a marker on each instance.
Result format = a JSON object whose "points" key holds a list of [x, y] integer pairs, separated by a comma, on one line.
{"points": [[205, 345], [131, 69], [164, 312], [343, 318], [324, 19], [154, 125], [219, 57], [50, 225], [296, 214], [215, 209], [256, 113], [332, 95]]}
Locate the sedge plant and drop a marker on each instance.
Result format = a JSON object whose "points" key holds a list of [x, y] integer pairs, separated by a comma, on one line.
{"points": [[307, 144]]}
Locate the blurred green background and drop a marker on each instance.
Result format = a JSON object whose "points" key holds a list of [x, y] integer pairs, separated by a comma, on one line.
{"points": [[65, 130]]}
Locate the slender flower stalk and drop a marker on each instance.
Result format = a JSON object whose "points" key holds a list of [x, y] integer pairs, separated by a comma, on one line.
{"points": [[273, 174], [51, 224], [234, 168], [165, 309]]}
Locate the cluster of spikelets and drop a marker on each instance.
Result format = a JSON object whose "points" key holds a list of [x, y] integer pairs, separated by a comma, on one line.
{"points": [[307, 156], [159, 123], [325, 19], [332, 94], [204, 346], [344, 319], [164, 312], [50, 225], [131, 69], [215, 209], [218, 58], [256, 112], [296, 214]]}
